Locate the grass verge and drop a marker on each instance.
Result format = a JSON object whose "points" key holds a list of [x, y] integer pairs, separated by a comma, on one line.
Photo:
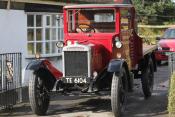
{"points": [[171, 97]]}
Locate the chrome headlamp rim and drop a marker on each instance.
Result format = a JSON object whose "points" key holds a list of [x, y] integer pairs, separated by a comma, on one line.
{"points": [[118, 43], [60, 44], [159, 47]]}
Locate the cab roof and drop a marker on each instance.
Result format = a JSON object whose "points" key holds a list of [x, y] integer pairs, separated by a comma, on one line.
{"points": [[79, 6]]}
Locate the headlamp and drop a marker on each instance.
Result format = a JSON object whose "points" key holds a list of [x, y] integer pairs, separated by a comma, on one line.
{"points": [[159, 47], [118, 43], [60, 44]]}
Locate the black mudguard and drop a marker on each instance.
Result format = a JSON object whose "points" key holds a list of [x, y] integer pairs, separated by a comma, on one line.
{"points": [[115, 65], [35, 65], [38, 67]]}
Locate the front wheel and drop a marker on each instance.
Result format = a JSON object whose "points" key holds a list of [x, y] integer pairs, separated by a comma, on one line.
{"points": [[118, 93], [148, 79], [38, 95], [159, 62]]}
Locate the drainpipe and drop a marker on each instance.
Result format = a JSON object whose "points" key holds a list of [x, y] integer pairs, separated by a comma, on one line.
{"points": [[8, 4]]}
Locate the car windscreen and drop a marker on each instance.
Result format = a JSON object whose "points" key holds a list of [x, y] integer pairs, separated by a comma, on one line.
{"points": [[91, 20], [169, 34]]}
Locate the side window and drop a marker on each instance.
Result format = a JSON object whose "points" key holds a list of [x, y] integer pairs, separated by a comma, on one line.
{"points": [[43, 31], [125, 19], [104, 17], [99, 20], [71, 21]]}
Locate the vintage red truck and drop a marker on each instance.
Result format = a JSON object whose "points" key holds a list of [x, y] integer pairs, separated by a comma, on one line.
{"points": [[101, 51]]}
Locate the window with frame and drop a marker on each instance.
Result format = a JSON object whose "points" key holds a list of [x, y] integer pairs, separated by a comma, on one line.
{"points": [[91, 20], [125, 19], [43, 31]]}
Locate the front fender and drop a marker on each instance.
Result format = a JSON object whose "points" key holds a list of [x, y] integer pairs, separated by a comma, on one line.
{"points": [[44, 64], [115, 65], [35, 65]]}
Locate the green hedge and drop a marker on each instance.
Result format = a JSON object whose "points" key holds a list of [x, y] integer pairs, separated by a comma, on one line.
{"points": [[171, 97], [150, 34]]}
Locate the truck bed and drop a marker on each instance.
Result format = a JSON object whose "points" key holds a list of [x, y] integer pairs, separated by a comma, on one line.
{"points": [[148, 48]]}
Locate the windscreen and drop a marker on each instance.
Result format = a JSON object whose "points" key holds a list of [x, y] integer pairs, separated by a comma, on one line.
{"points": [[169, 33], [91, 21]]}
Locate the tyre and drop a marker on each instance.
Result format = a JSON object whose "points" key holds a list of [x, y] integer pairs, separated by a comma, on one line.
{"points": [[118, 93], [159, 63], [148, 79], [38, 95]]}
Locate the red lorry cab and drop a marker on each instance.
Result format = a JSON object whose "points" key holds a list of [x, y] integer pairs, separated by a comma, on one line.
{"points": [[102, 26]]}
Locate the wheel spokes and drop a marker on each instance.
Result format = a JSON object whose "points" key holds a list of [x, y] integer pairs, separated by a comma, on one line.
{"points": [[41, 92], [150, 79], [121, 95]]}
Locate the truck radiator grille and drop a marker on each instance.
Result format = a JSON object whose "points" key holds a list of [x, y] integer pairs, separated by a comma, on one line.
{"points": [[76, 63]]}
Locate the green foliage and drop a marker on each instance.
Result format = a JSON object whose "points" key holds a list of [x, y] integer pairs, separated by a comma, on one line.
{"points": [[155, 11], [150, 34], [171, 97]]}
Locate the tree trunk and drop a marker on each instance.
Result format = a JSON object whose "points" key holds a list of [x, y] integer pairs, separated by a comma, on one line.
{"points": [[143, 2]]}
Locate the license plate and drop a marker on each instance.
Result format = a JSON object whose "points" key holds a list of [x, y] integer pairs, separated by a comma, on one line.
{"points": [[167, 53], [74, 80]]}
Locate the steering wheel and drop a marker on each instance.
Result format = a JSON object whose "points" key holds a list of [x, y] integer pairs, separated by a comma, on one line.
{"points": [[85, 28]]}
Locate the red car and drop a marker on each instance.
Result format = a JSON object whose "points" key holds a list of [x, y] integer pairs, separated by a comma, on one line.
{"points": [[166, 45]]}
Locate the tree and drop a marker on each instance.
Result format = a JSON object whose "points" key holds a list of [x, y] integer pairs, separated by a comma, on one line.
{"points": [[163, 10]]}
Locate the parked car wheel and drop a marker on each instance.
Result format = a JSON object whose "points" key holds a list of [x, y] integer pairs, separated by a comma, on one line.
{"points": [[38, 95], [148, 79], [159, 62], [118, 93]]}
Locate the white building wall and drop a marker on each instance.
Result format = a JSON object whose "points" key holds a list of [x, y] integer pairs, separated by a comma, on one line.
{"points": [[13, 33], [13, 38]]}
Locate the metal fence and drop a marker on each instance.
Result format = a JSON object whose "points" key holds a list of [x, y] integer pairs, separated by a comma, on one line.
{"points": [[171, 62], [10, 79]]}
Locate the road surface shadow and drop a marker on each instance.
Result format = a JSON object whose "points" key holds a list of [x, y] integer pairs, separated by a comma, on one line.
{"points": [[95, 105], [137, 106], [19, 110], [156, 105]]}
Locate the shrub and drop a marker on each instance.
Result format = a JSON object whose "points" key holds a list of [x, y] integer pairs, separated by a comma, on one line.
{"points": [[171, 97], [150, 33]]}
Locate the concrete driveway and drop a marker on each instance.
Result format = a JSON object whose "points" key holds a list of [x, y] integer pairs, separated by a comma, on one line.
{"points": [[137, 106]]}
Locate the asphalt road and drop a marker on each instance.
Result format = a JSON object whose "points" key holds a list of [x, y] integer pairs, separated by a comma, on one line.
{"points": [[137, 106]]}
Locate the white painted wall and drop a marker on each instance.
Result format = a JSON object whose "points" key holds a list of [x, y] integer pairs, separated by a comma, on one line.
{"points": [[13, 33], [13, 38]]}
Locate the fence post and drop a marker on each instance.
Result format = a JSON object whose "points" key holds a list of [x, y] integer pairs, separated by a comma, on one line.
{"points": [[20, 75], [170, 63]]}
